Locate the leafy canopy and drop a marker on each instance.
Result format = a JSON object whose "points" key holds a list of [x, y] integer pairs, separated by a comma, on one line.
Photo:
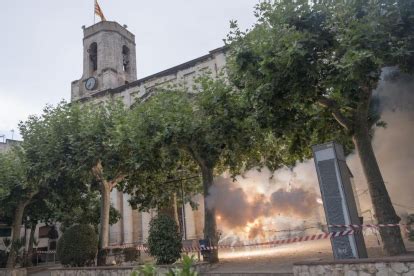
{"points": [[305, 61], [210, 124], [14, 185]]}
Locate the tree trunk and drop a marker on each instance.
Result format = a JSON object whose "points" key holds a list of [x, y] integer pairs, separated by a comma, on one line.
{"points": [[210, 227], [104, 223], [384, 210], [31, 242], [177, 221], [16, 225], [168, 208]]}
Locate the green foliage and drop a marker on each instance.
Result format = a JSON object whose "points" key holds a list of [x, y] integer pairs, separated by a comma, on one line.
{"points": [[209, 127], [208, 132], [15, 187], [46, 144], [78, 246], [164, 240], [308, 69], [161, 169], [85, 211], [186, 269], [100, 138], [54, 162], [72, 140], [304, 62], [223, 135], [146, 270]]}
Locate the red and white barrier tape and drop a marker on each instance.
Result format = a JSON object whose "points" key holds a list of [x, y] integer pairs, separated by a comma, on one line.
{"points": [[365, 225], [270, 243], [276, 242], [354, 229]]}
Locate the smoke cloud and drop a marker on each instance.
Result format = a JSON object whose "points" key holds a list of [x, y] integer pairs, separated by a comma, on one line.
{"points": [[296, 202], [393, 145], [259, 202]]}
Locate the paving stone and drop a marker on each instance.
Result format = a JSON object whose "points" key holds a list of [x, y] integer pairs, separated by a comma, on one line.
{"points": [[399, 267]]}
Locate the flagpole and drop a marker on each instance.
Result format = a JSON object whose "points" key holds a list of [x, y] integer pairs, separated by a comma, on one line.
{"points": [[94, 15]]}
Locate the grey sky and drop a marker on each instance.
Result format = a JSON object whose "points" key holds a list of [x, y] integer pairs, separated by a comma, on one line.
{"points": [[41, 43]]}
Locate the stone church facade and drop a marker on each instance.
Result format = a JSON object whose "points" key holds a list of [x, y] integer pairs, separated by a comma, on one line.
{"points": [[110, 72]]}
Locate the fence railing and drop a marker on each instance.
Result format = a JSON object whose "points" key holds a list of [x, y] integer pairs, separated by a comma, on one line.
{"points": [[46, 257]]}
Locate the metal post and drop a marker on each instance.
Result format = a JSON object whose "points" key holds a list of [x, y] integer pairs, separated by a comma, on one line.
{"points": [[183, 211], [338, 199], [94, 14]]}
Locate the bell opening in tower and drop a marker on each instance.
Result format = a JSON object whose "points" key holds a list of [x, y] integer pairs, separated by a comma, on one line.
{"points": [[125, 58], [93, 57]]}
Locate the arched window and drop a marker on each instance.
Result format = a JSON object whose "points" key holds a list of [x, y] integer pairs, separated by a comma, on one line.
{"points": [[125, 58], [93, 57]]}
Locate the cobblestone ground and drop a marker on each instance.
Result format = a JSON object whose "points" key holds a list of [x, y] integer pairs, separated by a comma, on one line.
{"points": [[280, 259]]}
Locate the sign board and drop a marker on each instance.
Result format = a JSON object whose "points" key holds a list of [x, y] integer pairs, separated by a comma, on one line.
{"points": [[338, 199]]}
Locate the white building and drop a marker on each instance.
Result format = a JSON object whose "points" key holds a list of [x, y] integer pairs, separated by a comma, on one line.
{"points": [[7, 144], [109, 72]]}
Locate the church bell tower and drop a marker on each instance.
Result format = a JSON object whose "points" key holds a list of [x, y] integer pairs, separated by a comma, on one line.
{"points": [[109, 59]]}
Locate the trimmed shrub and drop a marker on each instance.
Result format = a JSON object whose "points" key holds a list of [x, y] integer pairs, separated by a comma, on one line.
{"points": [[164, 240], [78, 246]]}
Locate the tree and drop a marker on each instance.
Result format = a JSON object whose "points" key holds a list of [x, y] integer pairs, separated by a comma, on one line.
{"points": [[16, 193], [157, 186], [161, 171], [84, 149], [210, 127], [158, 172], [100, 153], [46, 148], [304, 65], [84, 209], [68, 147], [37, 211]]}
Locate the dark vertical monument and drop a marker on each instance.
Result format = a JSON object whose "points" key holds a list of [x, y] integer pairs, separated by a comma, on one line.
{"points": [[338, 199]]}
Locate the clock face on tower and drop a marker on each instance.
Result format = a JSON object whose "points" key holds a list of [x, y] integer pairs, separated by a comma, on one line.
{"points": [[91, 83]]}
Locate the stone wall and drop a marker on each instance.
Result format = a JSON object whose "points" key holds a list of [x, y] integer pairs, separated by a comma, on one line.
{"points": [[114, 270], [93, 271], [13, 272], [360, 267]]}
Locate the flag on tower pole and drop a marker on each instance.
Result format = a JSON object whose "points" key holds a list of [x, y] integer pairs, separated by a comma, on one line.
{"points": [[98, 11]]}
